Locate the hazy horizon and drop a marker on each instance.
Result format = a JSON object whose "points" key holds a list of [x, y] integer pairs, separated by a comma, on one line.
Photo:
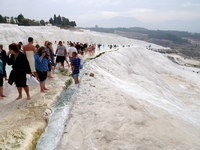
{"points": [[181, 15]]}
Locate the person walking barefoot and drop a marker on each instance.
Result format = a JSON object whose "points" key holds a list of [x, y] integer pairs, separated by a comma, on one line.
{"points": [[20, 68], [1, 78], [41, 64], [75, 65]]}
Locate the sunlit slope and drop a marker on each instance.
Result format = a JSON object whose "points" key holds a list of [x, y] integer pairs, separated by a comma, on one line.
{"points": [[152, 78]]}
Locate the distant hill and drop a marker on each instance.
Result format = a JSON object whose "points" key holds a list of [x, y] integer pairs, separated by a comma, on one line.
{"points": [[185, 42], [127, 22]]}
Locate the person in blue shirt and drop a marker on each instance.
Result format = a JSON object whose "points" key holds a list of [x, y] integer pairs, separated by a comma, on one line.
{"points": [[41, 66], [75, 65], [1, 77]]}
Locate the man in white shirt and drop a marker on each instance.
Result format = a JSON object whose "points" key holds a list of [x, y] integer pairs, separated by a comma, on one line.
{"points": [[61, 53], [71, 49]]}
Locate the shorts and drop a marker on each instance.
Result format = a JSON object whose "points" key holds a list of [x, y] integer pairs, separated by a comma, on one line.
{"points": [[20, 80], [75, 75], [42, 75], [60, 59]]}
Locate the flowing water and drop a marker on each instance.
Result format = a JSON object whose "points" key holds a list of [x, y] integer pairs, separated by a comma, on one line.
{"points": [[146, 77]]}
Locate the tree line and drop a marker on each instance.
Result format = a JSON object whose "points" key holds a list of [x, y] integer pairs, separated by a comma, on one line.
{"points": [[21, 20], [61, 21]]}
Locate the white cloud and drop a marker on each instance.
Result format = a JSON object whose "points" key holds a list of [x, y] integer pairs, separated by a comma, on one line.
{"points": [[91, 10]]}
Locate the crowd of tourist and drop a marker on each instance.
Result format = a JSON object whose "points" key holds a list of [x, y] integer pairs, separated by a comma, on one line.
{"points": [[40, 61]]}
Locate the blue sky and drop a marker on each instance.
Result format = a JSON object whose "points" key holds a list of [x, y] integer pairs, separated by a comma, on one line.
{"points": [[92, 12]]}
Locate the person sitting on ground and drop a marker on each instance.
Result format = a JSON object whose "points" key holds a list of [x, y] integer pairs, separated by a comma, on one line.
{"points": [[20, 68], [41, 65], [75, 65]]}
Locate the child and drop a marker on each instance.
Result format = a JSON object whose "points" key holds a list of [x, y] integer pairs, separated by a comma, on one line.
{"points": [[80, 55], [75, 65], [1, 78]]}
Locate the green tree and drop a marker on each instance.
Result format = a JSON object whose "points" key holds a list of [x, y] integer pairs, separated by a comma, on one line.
{"points": [[16, 20], [65, 21], [1, 19], [20, 18], [54, 20], [73, 23], [6, 18], [59, 20], [34, 23], [12, 20], [25, 22], [51, 21], [42, 22]]}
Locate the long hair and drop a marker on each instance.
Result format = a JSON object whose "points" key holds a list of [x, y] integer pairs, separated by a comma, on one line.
{"points": [[41, 50]]}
